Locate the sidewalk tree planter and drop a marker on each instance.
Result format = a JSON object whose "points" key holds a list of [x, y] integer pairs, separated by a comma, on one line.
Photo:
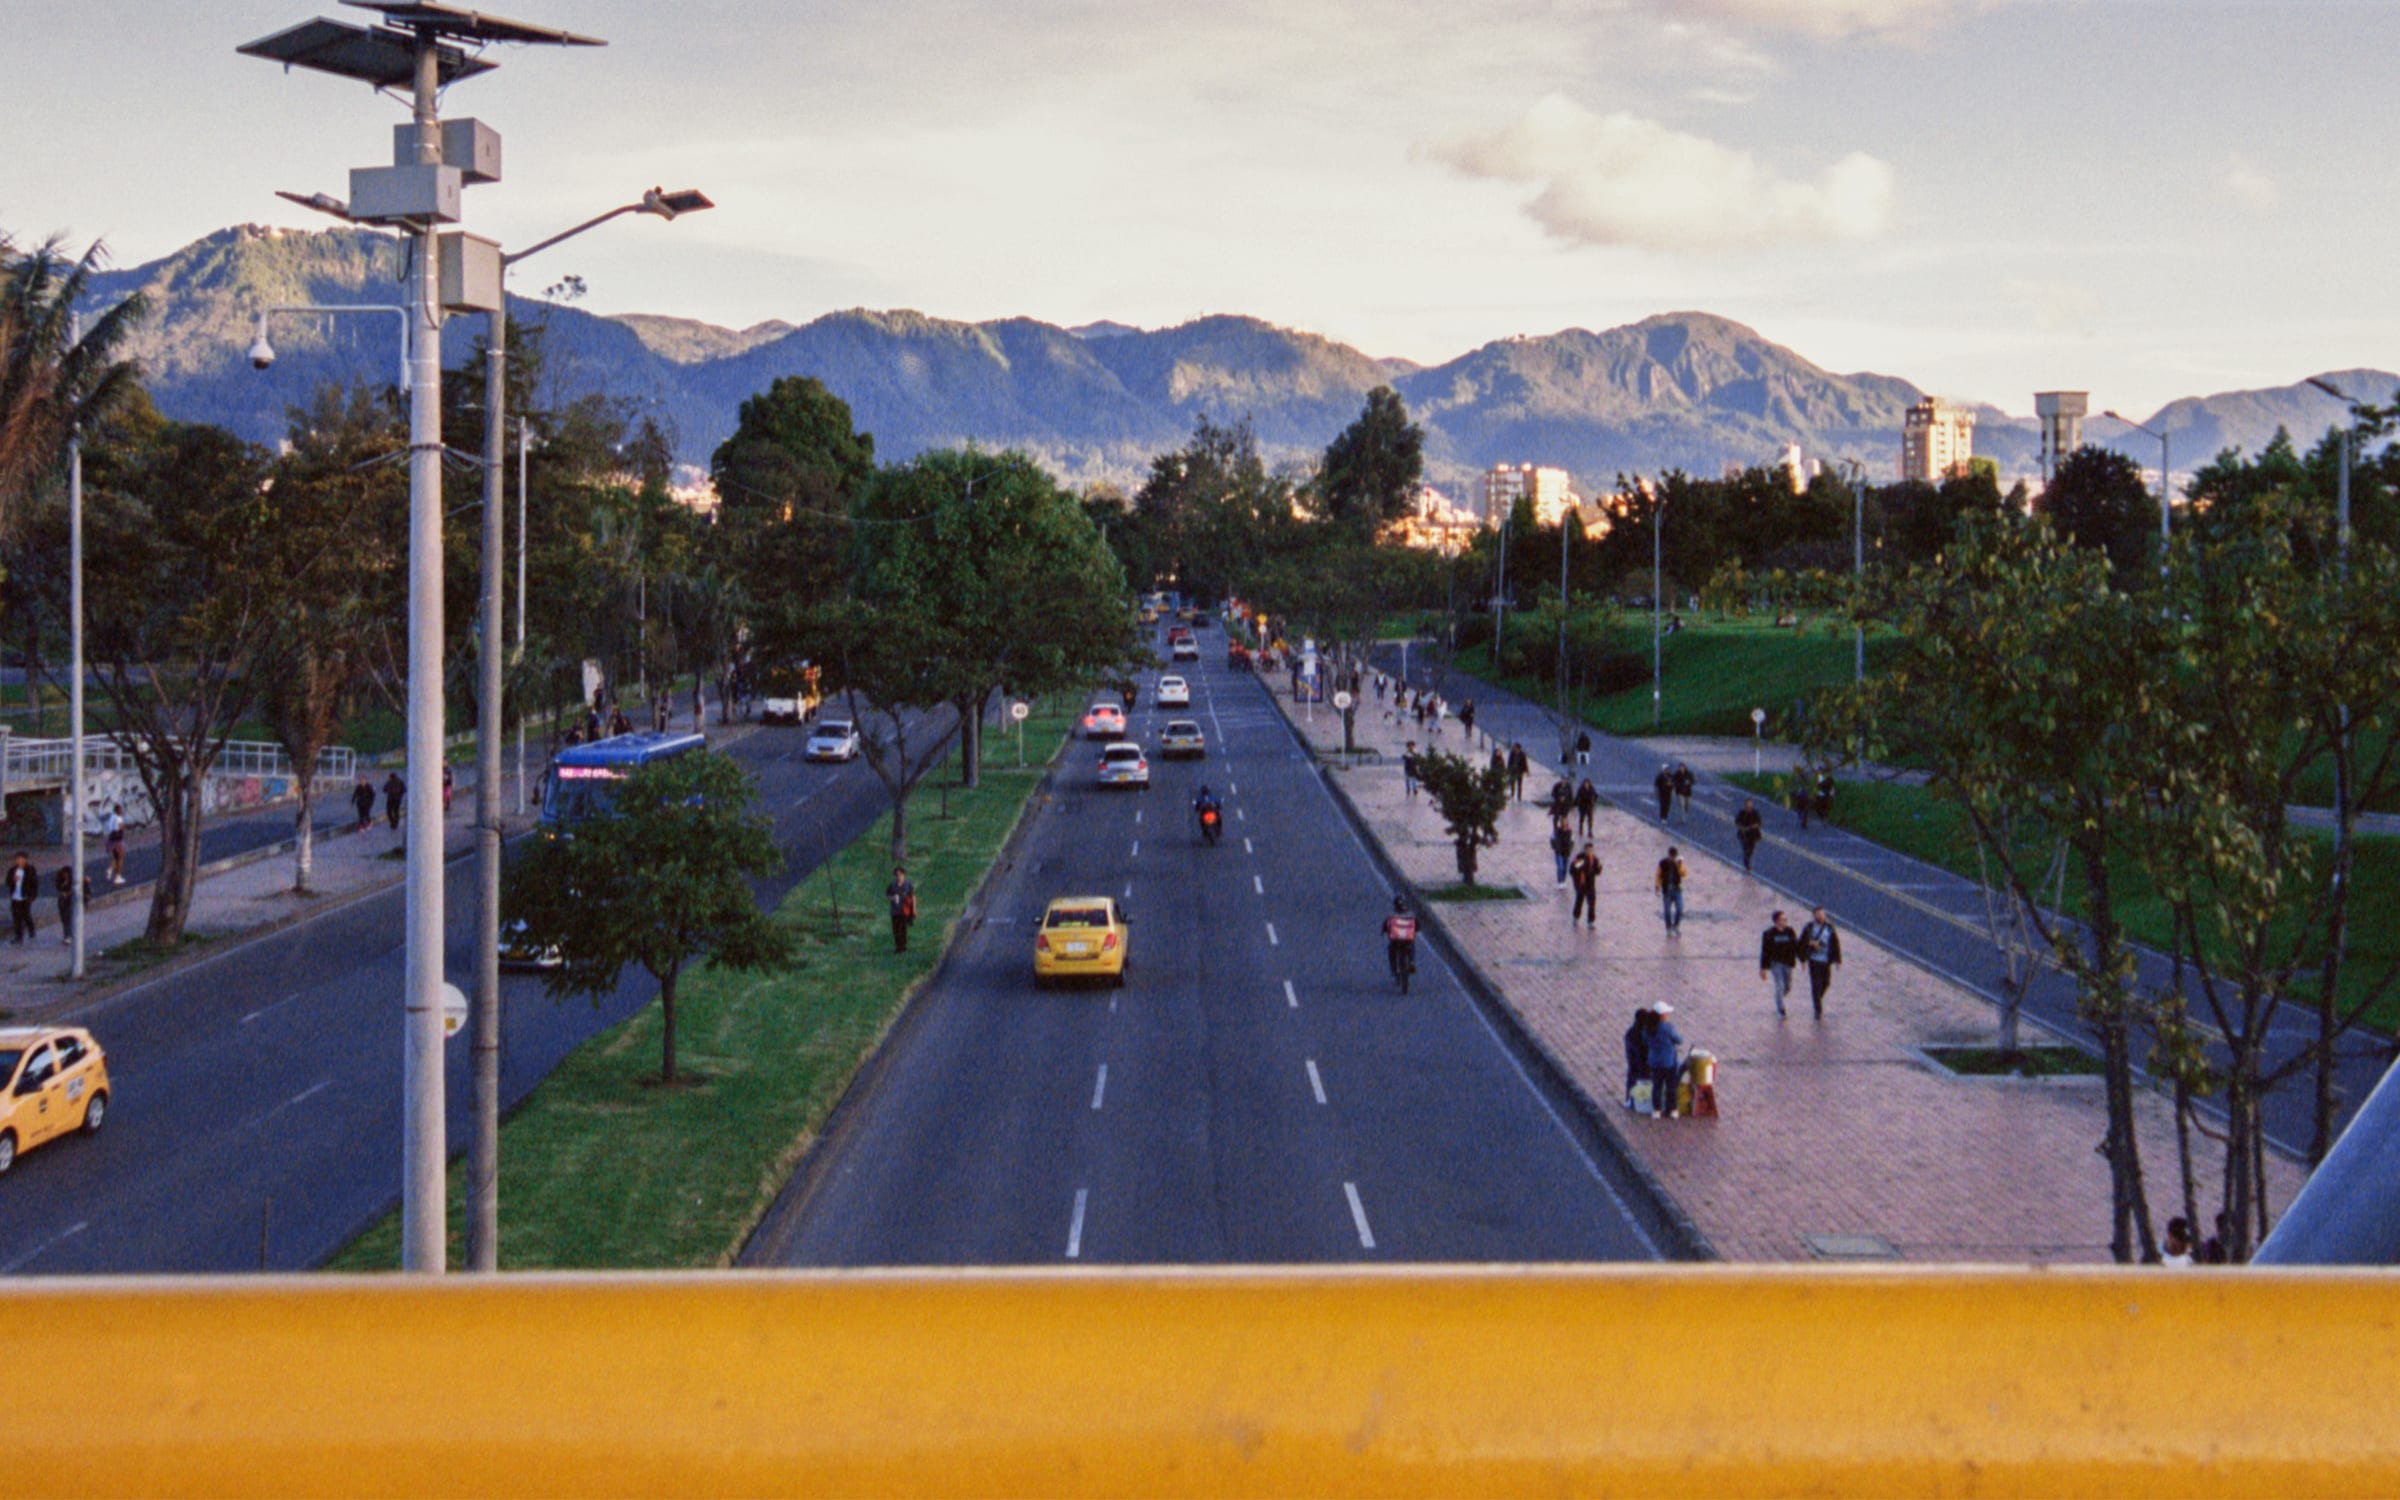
{"points": [[1471, 798]]}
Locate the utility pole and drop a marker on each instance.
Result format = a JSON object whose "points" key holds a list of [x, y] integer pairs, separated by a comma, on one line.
{"points": [[1658, 530], [524, 545], [1858, 563], [1562, 612], [483, 1163], [1500, 593]]}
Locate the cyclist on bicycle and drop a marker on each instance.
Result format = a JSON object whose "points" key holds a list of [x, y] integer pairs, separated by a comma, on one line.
{"points": [[1400, 939]]}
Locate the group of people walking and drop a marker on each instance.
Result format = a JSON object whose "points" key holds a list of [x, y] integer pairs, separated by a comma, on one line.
{"points": [[24, 884]]}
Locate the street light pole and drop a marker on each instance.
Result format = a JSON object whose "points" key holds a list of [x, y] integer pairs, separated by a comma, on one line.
{"points": [[1858, 564], [483, 1164], [524, 546], [1562, 612], [76, 793], [1658, 531], [1500, 595]]}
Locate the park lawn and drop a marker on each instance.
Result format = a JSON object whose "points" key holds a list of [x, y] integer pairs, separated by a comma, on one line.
{"points": [[1713, 673], [1915, 821], [602, 1168]]}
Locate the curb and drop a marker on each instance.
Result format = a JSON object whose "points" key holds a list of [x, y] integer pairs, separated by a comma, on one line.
{"points": [[790, 1203], [1673, 1230]]}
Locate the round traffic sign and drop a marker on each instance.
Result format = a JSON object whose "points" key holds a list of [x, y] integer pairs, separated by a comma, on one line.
{"points": [[1758, 716], [1343, 699], [1020, 710], [454, 1009]]}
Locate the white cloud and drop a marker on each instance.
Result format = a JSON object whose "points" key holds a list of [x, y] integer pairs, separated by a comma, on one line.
{"points": [[2248, 184], [1618, 179], [1827, 19], [2054, 306]]}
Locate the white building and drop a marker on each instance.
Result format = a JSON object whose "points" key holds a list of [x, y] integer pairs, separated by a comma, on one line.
{"points": [[1938, 441], [1551, 490]]}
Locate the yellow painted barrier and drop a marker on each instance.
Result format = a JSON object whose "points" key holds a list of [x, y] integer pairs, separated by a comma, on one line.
{"points": [[1662, 1383]]}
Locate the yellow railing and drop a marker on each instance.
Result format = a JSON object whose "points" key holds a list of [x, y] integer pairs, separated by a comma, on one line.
{"points": [[1663, 1384]]}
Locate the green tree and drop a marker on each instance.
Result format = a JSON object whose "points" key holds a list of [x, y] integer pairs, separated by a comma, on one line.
{"points": [[786, 481], [1471, 798], [660, 882], [2026, 686], [51, 381], [2098, 499], [177, 610], [1370, 472]]}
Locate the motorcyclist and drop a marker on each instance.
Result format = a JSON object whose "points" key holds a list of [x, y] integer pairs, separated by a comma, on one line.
{"points": [[1400, 936], [1204, 803]]}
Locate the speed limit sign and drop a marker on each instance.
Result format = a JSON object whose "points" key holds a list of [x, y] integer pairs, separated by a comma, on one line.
{"points": [[1020, 710]]}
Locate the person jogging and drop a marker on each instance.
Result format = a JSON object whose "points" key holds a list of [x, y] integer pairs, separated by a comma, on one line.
{"points": [[1749, 827]]}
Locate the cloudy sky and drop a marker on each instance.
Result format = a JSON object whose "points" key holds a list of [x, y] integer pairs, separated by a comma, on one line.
{"points": [[2145, 198]]}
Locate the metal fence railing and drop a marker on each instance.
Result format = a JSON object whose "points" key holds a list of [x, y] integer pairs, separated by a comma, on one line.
{"points": [[50, 762]]}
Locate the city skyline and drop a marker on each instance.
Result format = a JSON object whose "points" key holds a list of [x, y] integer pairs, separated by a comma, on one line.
{"points": [[1987, 198]]}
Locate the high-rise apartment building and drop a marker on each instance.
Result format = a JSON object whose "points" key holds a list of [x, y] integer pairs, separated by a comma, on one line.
{"points": [[1937, 442], [1551, 490], [2061, 414]]}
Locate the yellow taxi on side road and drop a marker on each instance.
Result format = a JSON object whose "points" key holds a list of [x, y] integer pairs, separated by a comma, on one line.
{"points": [[1081, 937], [53, 1080]]}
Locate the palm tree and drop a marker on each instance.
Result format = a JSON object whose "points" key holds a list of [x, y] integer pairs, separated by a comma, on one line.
{"points": [[51, 381]]}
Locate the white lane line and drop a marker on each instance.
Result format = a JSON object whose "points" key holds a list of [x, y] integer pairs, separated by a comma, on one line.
{"points": [[1232, 789], [1272, 940], [1258, 885], [1112, 1005], [49, 1244], [262, 1010], [319, 1087], [1137, 817], [1358, 1216], [1128, 890], [1075, 1228], [1245, 817], [1316, 1085], [1291, 997], [1246, 849], [1137, 847], [1100, 1089]]}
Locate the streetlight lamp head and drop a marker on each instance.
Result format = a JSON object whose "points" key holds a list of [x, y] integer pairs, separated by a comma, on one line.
{"points": [[262, 353], [668, 205]]}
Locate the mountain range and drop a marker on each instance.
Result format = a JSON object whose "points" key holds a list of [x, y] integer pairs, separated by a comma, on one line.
{"points": [[1682, 390]]}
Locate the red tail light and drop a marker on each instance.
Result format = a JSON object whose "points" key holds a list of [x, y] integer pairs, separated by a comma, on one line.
{"points": [[1108, 942], [1041, 942]]}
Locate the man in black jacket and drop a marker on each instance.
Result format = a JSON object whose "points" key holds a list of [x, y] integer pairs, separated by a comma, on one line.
{"points": [[1749, 827], [24, 888], [1779, 957]]}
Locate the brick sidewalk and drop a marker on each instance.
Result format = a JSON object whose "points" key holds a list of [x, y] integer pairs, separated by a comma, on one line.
{"points": [[1835, 1129]]}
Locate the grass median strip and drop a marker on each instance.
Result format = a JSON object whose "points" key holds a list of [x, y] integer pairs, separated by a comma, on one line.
{"points": [[601, 1167]]}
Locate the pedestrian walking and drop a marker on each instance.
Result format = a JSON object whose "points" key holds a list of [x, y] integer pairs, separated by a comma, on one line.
{"points": [[618, 723], [1779, 958], [115, 826], [1587, 804], [1670, 890], [1821, 945], [594, 727], [1585, 873], [1466, 717], [1637, 1052], [1804, 801], [395, 791], [1666, 1062], [362, 801], [449, 786], [24, 886], [1409, 768], [1562, 846], [1499, 763], [1749, 827], [1825, 796], [1684, 782], [2177, 1250], [902, 896], [1583, 747], [64, 883], [1562, 799], [1664, 784]]}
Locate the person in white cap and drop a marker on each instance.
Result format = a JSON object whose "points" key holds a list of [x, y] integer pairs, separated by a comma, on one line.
{"points": [[1666, 1044]]}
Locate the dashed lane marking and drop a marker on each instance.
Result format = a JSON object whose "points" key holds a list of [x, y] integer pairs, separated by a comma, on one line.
{"points": [[1358, 1216], [1316, 1085], [1100, 1087], [1291, 997], [1075, 1226], [1258, 885], [1272, 940]]}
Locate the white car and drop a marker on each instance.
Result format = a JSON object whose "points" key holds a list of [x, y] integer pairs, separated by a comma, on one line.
{"points": [[833, 739], [1174, 692], [1123, 764], [789, 708], [1185, 649]]}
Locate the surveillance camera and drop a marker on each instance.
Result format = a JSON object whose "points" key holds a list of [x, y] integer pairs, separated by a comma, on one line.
{"points": [[262, 355]]}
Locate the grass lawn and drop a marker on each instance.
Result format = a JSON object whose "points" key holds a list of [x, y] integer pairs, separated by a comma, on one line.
{"points": [[1464, 892], [1914, 821], [601, 1168], [1714, 672]]}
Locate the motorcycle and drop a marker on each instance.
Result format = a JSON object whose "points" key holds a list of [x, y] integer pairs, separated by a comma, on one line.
{"points": [[1212, 823]]}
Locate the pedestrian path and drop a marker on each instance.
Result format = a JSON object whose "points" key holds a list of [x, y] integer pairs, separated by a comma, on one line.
{"points": [[1837, 1139]]}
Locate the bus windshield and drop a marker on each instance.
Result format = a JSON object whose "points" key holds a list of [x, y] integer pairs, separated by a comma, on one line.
{"points": [[583, 778]]}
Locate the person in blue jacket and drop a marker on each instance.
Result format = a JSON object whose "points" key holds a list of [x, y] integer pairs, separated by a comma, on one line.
{"points": [[1666, 1061]]}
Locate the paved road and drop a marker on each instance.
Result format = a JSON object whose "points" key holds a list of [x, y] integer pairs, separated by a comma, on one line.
{"points": [[1921, 911], [1258, 1092], [257, 1107]]}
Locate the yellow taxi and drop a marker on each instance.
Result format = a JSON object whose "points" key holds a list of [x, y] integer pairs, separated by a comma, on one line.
{"points": [[53, 1079], [1081, 937]]}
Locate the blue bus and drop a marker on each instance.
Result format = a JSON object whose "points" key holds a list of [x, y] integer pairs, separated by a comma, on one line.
{"points": [[579, 782]]}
